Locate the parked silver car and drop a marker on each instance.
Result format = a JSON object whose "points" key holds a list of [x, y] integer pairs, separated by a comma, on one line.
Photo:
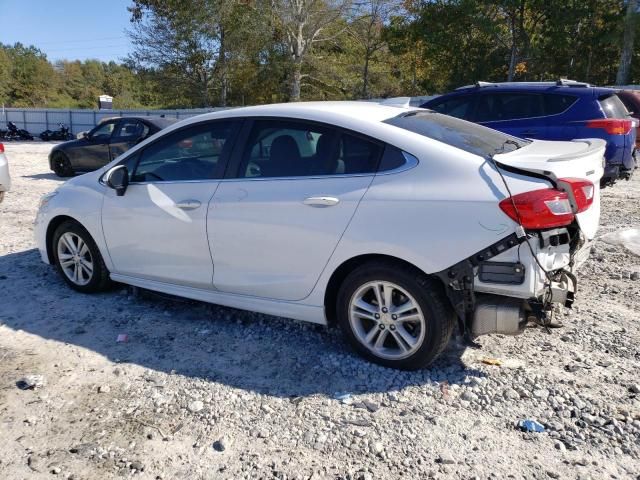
{"points": [[5, 178]]}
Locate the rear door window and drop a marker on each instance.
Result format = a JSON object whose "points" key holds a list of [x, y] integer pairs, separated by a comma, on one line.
{"points": [[286, 148], [556, 103], [459, 107], [496, 107], [613, 106]]}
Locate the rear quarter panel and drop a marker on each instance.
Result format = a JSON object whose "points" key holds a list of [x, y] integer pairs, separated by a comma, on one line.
{"points": [[432, 216]]}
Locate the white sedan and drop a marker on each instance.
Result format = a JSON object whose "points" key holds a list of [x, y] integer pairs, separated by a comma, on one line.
{"points": [[396, 223], [5, 178]]}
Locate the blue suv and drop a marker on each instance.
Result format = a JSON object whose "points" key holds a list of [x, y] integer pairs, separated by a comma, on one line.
{"points": [[562, 110]]}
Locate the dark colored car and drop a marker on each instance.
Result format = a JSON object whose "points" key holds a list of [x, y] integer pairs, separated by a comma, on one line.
{"points": [[631, 100], [563, 110], [96, 148]]}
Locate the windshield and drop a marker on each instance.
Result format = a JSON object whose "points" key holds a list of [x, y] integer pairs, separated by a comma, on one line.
{"points": [[461, 134]]}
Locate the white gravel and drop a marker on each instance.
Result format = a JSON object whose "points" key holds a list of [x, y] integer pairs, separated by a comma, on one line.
{"points": [[201, 391]]}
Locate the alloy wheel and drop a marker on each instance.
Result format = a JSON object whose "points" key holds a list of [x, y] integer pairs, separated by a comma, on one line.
{"points": [[386, 320], [75, 258]]}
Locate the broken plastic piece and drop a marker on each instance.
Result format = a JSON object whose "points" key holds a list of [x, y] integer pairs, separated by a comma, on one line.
{"points": [[529, 425], [122, 338]]}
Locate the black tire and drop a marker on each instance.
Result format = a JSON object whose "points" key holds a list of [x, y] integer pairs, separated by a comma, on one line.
{"points": [[439, 318], [99, 279], [61, 165]]}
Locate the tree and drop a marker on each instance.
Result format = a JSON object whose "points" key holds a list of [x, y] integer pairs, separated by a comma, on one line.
{"points": [[303, 22], [367, 28], [33, 80], [630, 26], [5, 76]]}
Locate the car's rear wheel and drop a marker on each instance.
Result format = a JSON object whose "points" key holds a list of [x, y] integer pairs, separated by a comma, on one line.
{"points": [[78, 259], [61, 165], [395, 315]]}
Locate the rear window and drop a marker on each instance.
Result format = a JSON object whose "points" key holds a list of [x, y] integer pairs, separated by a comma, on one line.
{"points": [[613, 107], [461, 134]]}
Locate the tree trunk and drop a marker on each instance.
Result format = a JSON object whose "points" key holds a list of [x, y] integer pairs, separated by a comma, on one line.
{"points": [[627, 47], [365, 77], [222, 60], [205, 93], [296, 78], [514, 49], [512, 63]]}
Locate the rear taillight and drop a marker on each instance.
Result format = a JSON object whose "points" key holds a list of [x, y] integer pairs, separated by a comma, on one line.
{"points": [[613, 126], [581, 191], [1, 148], [546, 208]]}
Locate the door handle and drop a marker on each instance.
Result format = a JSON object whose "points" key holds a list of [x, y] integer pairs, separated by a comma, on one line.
{"points": [[188, 204], [321, 201]]}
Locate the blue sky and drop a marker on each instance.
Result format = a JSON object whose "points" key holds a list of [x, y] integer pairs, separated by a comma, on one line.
{"points": [[71, 29]]}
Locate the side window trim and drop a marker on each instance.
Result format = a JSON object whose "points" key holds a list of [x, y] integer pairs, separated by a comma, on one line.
{"points": [[225, 156], [236, 158]]}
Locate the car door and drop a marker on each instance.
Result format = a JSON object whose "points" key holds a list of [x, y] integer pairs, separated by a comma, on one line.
{"points": [[94, 153], [127, 134], [294, 188], [518, 114], [158, 229]]}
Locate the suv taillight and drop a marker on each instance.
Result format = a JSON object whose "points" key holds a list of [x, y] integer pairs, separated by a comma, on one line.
{"points": [[546, 208], [613, 126], [1, 148]]}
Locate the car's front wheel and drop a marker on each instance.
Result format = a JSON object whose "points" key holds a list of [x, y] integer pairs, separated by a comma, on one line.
{"points": [[61, 165], [78, 259], [395, 315]]}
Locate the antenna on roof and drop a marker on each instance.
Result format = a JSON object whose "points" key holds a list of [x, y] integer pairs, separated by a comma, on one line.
{"points": [[483, 84], [403, 102]]}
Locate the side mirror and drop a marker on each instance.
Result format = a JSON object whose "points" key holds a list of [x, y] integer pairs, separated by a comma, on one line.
{"points": [[82, 135], [118, 179]]}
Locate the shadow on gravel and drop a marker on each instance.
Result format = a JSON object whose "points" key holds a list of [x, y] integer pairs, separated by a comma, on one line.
{"points": [[45, 176], [241, 349]]}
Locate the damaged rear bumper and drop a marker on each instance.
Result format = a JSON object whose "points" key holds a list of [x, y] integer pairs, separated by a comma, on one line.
{"points": [[497, 289]]}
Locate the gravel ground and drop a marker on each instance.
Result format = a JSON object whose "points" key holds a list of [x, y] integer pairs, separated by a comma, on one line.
{"points": [[201, 391]]}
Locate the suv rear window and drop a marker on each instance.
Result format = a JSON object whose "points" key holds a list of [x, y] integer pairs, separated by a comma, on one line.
{"points": [[613, 106], [461, 134]]}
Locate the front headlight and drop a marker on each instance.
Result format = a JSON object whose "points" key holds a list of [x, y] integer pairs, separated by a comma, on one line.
{"points": [[45, 199]]}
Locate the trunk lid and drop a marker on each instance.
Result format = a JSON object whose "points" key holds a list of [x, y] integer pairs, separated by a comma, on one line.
{"points": [[582, 158]]}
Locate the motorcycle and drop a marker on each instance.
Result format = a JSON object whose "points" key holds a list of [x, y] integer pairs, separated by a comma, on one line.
{"points": [[62, 133], [15, 133]]}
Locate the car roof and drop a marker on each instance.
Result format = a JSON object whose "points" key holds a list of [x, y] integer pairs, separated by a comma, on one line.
{"points": [[556, 87], [331, 112], [157, 121]]}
